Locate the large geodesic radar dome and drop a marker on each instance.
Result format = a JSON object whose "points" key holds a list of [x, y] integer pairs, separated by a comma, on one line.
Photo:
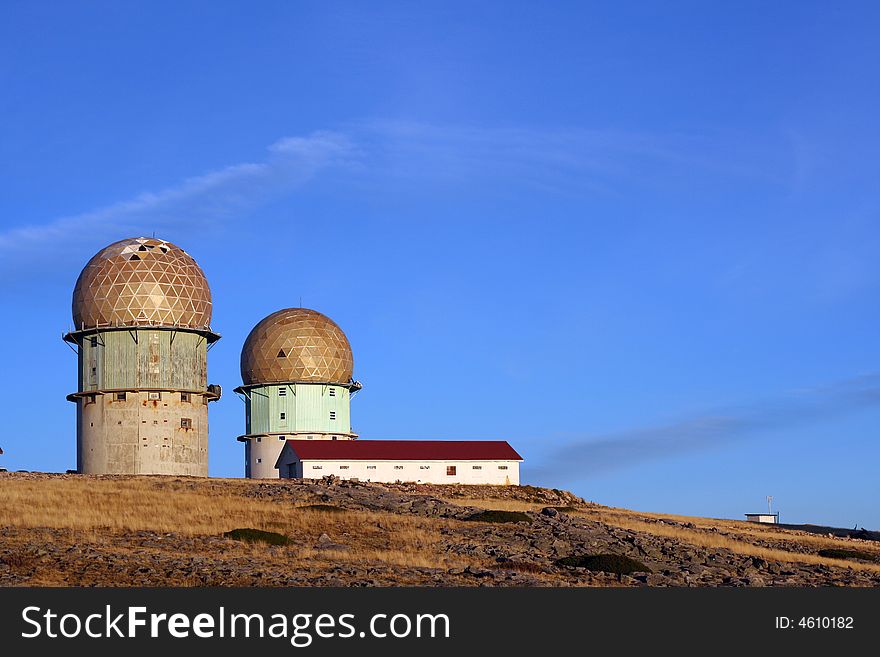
{"points": [[296, 344], [142, 281]]}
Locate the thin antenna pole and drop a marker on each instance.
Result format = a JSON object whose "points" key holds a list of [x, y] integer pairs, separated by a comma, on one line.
{"points": [[769, 504]]}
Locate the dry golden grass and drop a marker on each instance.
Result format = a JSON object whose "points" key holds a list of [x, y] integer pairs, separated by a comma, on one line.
{"points": [[106, 507], [130, 505]]}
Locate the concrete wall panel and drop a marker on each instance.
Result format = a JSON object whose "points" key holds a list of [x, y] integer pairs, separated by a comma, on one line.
{"points": [[140, 435]]}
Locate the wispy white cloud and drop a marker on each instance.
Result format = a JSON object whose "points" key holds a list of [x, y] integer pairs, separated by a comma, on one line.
{"points": [[380, 153], [200, 200], [600, 454], [562, 160]]}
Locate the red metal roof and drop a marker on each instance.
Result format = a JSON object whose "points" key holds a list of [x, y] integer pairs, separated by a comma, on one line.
{"points": [[404, 450]]}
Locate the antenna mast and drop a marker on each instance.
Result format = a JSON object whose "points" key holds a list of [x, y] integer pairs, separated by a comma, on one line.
{"points": [[769, 504]]}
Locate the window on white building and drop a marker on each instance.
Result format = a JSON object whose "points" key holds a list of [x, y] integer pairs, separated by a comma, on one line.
{"points": [[332, 392], [343, 467], [502, 467], [478, 467], [424, 467], [317, 467], [371, 467], [282, 392], [450, 470], [398, 467], [284, 416], [332, 415]]}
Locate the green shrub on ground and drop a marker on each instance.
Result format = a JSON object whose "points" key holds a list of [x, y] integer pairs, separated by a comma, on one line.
{"points": [[249, 535], [842, 553], [499, 516], [327, 508], [608, 563]]}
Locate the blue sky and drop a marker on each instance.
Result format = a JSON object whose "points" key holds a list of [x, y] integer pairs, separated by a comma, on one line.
{"points": [[637, 240]]}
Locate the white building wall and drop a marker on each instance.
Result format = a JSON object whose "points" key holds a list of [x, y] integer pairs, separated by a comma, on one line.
{"points": [[422, 472], [261, 454]]}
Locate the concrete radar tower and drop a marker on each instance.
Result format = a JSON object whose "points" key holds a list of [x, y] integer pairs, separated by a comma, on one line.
{"points": [[142, 329], [296, 367]]}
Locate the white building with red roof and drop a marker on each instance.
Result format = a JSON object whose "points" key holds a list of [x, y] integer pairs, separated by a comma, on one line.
{"points": [[418, 461]]}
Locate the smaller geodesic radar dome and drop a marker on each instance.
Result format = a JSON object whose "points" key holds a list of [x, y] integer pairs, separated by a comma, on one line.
{"points": [[142, 281], [296, 345]]}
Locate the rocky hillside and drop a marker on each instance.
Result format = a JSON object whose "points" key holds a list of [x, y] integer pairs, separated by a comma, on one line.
{"points": [[69, 530]]}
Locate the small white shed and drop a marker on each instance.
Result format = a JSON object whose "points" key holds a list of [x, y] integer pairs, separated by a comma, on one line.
{"points": [[766, 518]]}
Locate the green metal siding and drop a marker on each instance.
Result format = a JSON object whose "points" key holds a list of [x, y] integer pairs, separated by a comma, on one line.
{"points": [[119, 355], [124, 359], [306, 407], [258, 402]]}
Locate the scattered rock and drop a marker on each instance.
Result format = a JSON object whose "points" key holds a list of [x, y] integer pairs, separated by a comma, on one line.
{"points": [[325, 543]]}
